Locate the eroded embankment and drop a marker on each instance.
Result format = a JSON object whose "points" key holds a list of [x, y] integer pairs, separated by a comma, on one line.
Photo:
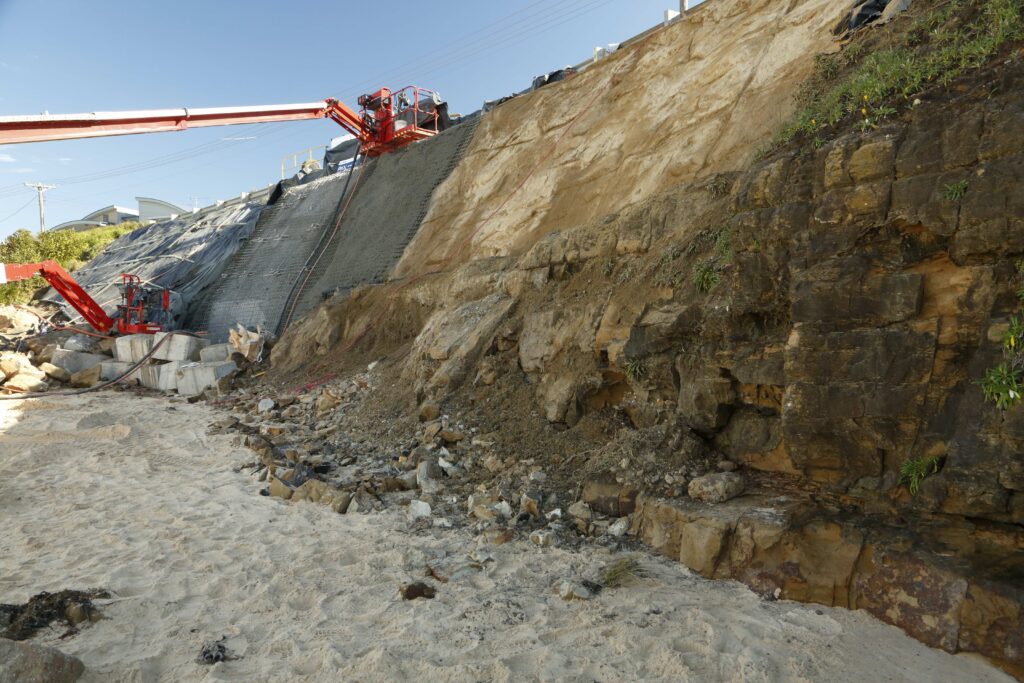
{"points": [[819, 319]]}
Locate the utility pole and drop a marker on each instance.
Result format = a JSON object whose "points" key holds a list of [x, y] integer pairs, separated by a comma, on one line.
{"points": [[41, 189]]}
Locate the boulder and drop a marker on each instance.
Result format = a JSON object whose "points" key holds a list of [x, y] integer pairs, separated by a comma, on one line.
{"points": [[12, 364], [26, 383], [86, 378], [716, 488], [316, 491], [22, 662], [279, 489], [76, 361], [81, 342], [429, 412], [54, 372]]}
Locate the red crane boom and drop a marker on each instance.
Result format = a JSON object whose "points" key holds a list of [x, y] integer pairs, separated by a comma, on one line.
{"points": [[65, 285], [389, 120]]}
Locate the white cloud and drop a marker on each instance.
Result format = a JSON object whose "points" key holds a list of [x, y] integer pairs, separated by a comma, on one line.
{"points": [[65, 160], [17, 170], [7, 159]]}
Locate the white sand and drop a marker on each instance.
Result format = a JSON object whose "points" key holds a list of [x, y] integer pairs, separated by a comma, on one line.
{"points": [[130, 494]]}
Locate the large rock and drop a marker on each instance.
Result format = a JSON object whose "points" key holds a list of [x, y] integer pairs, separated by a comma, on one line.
{"points": [[179, 347], [53, 372], [30, 663], [132, 348], [76, 361], [160, 376], [86, 378], [716, 488], [316, 491], [25, 382], [12, 364], [195, 378], [81, 342]]}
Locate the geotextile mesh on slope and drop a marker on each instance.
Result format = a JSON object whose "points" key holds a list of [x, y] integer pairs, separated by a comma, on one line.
{"points": [[185, 255], [253, 288], [385, 212]]}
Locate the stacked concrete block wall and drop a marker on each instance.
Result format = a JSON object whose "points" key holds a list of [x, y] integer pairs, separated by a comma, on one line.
{"points": [[193, 379], [176, 358]]}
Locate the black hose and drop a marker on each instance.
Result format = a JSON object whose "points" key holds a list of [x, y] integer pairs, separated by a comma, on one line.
{"points": [[76, 392]]}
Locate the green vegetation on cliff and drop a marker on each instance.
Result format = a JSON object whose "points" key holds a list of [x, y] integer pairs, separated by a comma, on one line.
{"points": [[870, 82], [69, 248]]}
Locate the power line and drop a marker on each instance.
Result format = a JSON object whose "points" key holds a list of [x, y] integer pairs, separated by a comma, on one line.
{"points": [[17, 211]]}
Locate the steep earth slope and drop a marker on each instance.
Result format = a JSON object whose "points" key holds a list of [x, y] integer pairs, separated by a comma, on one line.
{"points": [[820, 319]]}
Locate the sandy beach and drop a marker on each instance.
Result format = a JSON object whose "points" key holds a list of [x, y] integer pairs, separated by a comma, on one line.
{"points": [[132, 495]]}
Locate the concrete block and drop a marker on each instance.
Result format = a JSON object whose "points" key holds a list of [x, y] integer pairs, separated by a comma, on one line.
{"points": [[76, 361], [215, 352], [132, 348], [179, 347], [160, 376], [113, 369], [194, 378]]}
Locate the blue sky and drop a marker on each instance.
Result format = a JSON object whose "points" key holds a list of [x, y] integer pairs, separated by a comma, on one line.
{"points": [[66, 56]]}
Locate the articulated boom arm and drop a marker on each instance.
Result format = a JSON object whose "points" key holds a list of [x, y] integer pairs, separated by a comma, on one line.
{"points": [[390, 119], [44, 127], [341, 114], [65, 285]]}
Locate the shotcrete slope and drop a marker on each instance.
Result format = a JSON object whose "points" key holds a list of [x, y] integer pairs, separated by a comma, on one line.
{"points": [[383, 216]]}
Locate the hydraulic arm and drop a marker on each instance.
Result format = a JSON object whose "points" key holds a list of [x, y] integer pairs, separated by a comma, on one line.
{"points": [[389, 120], [142, 310], [65, 285]]}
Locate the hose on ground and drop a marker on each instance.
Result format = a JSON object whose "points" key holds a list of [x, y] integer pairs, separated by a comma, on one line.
{"points": [[96, 387]]}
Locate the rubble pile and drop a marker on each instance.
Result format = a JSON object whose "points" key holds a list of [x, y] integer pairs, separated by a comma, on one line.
{"points": [[444, 473]]}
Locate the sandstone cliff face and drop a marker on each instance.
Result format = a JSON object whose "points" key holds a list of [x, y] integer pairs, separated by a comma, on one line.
{"points": [[820, 317], [847, 314], [695, 98]]}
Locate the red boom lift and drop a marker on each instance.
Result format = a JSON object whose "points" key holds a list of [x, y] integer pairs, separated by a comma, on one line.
{"points": [[388, 121], [142, 309]]}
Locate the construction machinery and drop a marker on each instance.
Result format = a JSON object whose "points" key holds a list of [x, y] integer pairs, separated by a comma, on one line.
{"points": [[388, 120], [143, 309]]}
